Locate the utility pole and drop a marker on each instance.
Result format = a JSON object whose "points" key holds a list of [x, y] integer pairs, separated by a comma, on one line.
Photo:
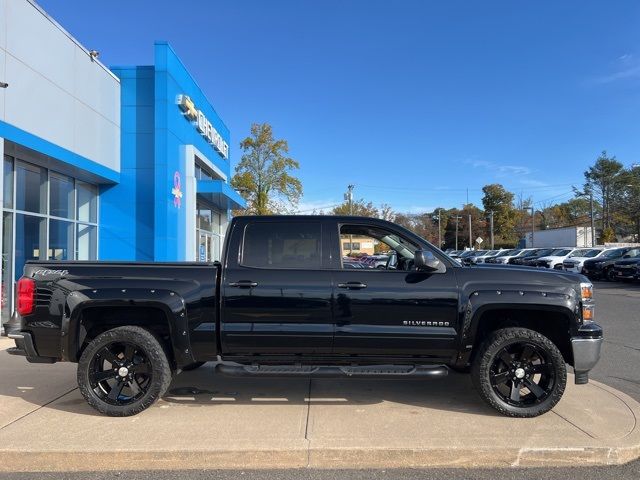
{"points": [[439, 231], [533, 223], [470, 237], [593, 223], [458, 217], [349, 198], [491, 222]]}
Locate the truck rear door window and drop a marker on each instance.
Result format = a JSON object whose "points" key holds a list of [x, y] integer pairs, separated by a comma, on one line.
{"points": [[282, 245]]}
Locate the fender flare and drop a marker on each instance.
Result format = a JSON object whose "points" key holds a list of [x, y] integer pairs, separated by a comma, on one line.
{"points": [[169, 302]]}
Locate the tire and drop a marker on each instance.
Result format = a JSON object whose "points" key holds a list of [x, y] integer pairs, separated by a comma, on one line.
{"points": [[505, 356], [610, 275], [123, 371], [192, 366]]}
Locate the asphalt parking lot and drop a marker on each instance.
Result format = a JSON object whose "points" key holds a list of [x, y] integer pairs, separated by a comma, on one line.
{"points": [[617, 311]]}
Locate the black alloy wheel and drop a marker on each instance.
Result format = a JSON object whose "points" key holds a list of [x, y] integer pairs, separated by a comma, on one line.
{"points": [[610, 275], [120, 373], [519, 372], [123, 371], [522, 375]]}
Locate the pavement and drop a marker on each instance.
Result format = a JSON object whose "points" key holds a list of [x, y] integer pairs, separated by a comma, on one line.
{"points": [[207, 421]]}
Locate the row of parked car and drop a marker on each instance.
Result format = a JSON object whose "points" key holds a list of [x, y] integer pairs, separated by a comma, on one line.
{"points": [[597, 263]]}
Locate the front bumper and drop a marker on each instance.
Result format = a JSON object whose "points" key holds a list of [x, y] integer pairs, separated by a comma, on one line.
{"points": [[586, 351]]}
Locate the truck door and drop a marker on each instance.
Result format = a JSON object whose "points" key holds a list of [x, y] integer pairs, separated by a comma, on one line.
{"points": [[275, 289], [387, 309]]}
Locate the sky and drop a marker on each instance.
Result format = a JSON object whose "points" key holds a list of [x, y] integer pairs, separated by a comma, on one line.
{"points": [[416, 103]]}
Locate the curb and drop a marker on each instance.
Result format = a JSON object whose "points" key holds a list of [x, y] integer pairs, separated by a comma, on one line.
{"points": [[21, 461]]}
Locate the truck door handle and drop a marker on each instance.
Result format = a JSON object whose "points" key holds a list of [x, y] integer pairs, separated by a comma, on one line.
{"points": [[352, 285], [244, 284]]}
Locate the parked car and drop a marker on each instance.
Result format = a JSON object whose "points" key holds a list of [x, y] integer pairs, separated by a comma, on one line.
{"points": [[637, 277], [555, 258], [602, 267], [280, 303], [575, 261], [465, 257], [625, 269], [489, 255], [506, 256], [531, 261], [350, 263], [524, 256]]}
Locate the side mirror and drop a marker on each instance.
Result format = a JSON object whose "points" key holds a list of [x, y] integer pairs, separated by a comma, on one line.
{"points": [[426, 261], [626, 256]]}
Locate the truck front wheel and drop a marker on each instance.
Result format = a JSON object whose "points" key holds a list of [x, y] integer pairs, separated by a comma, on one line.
{"points": [[123, 371], [519, 372]]}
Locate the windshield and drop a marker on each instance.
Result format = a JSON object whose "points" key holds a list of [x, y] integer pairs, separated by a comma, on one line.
{"points": [[633, 253], [544, 252], [592, 253], [613, 253], [580, 253], [561, 252]]}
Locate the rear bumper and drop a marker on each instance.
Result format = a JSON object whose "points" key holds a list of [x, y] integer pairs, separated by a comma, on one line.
{"points": [[586, 351], [25, 347]]}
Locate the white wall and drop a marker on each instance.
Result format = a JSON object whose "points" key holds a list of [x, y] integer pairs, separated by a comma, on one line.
{"points": [[55, 89]]}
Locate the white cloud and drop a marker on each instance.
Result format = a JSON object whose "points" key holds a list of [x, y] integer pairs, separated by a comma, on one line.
{"points": [[500, 170], [317, 206], [627, 66]]}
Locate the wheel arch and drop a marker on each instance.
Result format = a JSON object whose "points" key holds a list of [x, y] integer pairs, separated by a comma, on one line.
{"points": [[164, 314], [552, 321]]}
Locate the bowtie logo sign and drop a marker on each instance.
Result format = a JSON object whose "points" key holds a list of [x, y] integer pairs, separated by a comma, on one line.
{"points": [[176, 190]]}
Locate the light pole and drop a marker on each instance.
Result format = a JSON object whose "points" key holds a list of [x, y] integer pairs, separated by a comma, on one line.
{"points": [[491, 223], [470, 237], [533, 223], [437, 217], [458, 217], [349, 198]]}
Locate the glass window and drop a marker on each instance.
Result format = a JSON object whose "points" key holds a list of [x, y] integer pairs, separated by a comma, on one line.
{"points": [[31, 187], [379, 245], [7, 279], [87, 202], [215, 222], [282, 245], [86, 242], [61, 196], [31, 239], [204, 218], [60, 240], [8, 182]]}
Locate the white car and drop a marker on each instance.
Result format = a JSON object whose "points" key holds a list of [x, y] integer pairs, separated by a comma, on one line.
{"points": [[575, 261], [504, 258], [555, 259]]}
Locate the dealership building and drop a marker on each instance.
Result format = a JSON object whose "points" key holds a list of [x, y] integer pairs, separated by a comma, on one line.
{"points": [[120, 163]]}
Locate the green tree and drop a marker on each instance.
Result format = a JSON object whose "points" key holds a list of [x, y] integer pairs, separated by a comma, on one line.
{"points": [[358, 208], [604, 181], [263, 176], [498, 200]]}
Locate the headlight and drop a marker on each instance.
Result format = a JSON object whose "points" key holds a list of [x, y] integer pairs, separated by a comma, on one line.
{"points": [[586, 290]]}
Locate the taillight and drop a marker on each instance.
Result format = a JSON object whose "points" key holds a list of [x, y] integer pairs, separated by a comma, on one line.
{"points": [[26, 295]]}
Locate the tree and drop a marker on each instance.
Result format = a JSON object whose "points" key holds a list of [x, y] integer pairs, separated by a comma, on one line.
{"points": [[603, 180], [498, 200], [263, 176], [358, 208]]}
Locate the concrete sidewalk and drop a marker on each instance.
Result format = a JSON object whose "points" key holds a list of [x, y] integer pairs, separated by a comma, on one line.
{"points": [[208, 421]]}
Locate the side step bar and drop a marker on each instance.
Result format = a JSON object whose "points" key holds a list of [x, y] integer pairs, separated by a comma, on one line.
{"points": [[392, 371]]}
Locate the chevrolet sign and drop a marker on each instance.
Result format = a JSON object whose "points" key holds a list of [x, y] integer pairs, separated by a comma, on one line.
{"points": [[203, 125]]}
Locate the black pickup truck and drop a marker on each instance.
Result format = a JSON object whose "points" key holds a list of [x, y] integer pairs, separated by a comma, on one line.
{"points": [[281, 304]]}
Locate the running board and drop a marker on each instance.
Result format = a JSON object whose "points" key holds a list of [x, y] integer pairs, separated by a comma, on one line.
{"points": [[393, 371]]}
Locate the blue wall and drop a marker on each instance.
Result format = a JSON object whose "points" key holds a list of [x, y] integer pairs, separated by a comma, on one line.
{"points": [[139, 220]]}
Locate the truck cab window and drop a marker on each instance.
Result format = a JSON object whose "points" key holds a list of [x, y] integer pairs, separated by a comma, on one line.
{"points": [[371, 247], [282, 245]]}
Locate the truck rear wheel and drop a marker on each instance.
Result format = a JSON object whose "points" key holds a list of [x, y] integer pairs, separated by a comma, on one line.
{"points": [[519, 372], [123, 371]]}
